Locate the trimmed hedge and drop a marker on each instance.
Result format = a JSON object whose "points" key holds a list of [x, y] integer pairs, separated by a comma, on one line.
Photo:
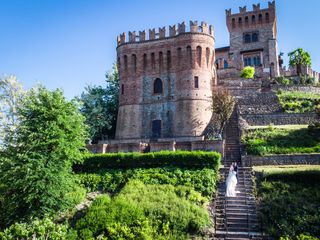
{"points": [[93, 162]]}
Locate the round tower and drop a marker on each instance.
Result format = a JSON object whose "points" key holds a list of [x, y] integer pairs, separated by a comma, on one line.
{"points": [[166, 82]]}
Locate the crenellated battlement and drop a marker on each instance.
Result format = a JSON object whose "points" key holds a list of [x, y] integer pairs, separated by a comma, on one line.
{"points": [[162, 33], [255, 7]]}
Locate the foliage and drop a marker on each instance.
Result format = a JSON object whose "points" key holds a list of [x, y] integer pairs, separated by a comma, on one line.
{"points": [[299, 58], [152, 159], [202, 180], [247, 72], [283, 200], [100, 107], [37, 229], [36, 173], [281, 141], [144, 212], [318, 109], [11, 94], [298, 102], [222, 107], [283, 81]]}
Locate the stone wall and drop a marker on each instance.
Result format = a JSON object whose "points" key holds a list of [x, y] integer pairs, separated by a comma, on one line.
{"points": [[281, 159], [297, 88], [281, 119]]}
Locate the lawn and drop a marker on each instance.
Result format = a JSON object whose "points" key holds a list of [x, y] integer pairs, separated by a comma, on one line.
{"points": [[289, 197], [281, 140], [298, 102]]}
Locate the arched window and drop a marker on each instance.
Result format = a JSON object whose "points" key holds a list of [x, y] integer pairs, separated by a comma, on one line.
{"points": [[160, 60], [189, 54], [255, 37], [225, 64], [240, 21], [125, 60], [199, 55], [168, 59], [134, 62], [247, 38], [153, 61], [246, 20], [157, 86], [253, 19], [145, 61], [260, 18], [233, 22], [267, 17], [207, 56]]}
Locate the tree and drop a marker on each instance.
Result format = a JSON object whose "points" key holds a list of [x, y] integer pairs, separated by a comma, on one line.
{"points": [[247, 72], [100, 107], [11, 94], [36, 174], [222, 107], [299, 58]]}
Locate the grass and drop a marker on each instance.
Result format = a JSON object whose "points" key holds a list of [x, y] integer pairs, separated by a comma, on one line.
{"points": [[290, 200], [271, 140], [298, 102]]}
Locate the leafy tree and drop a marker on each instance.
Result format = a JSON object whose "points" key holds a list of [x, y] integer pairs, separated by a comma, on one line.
{"points": [[100, 107], [222, 107], [11, 93], [299, 58], [36, 172], [247, 72]]}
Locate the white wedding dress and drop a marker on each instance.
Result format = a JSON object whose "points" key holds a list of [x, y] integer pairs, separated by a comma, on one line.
{"points": [[231, 184]]}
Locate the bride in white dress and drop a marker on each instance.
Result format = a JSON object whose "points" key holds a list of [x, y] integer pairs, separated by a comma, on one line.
{"points": [[231, 183]]}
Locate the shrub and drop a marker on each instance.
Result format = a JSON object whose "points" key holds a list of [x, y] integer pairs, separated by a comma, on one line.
{"points": [[145, 212], [93, 162], [283, 81], [318, 109], [247, 72]]}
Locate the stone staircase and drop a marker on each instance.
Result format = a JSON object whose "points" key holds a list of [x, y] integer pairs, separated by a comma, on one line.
{"points": [[236, 217], [232, 143]]}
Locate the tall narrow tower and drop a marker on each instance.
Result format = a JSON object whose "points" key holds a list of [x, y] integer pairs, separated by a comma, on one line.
{"points": [[253, 38], [166, 82]]}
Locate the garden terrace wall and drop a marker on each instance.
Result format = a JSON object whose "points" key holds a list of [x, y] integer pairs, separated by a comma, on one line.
{"points": [[309, 89], [281, 119], [281, 159], [94, 162]]}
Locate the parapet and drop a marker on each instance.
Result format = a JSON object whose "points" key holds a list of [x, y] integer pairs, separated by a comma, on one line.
{"points": [[174, 30], [255, 7]]}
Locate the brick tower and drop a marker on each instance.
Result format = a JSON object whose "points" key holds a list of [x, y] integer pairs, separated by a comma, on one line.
{"points": [[253, 38], [166, 81]]}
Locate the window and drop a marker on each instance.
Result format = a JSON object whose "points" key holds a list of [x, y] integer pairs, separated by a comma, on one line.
{"points": [[253, 19], [119, 64], [134, 62], [196, 82], [125, 60], [207, 55], [246, 20], [199, 55], [267, 17], [240, 21], [122, 89], [233, 22], [189, 54], [153, 61], [145, 62], [260, 18], [157, 86], [168, 59], [160, 60], [179, 52], [217, 64], [253, 60], [156, 128], [256, 61], [225, 64], [247, 38], [255, 37]]}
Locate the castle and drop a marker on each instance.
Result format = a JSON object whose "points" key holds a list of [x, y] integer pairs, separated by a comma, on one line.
{"points": [[167, 78]]}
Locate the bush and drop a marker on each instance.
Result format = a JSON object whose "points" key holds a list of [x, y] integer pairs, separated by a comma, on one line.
{"points": [[283, 81], [247, 72], [93, 162], [145, 212]]}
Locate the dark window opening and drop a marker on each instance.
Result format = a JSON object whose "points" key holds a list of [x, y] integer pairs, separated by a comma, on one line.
{"points": [[125, 60], [134, 62], [122, 89], [196, 82], [153, 61], [253, 19], [168, 59], [239, 21], [267, 17], [246, 20], [217, 64], [255, 37], [145, 61], [247, 38], [225, 64], [260, 18], [189, 54], [157, 86], [160, 60], [199, 55], [233, 22], [156, 128]]}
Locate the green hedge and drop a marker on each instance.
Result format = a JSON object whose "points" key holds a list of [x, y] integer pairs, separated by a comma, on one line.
{"points": [[93, 162]]}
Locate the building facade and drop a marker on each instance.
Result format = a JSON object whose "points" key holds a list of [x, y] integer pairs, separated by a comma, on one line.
{"points": [[166, 82]]}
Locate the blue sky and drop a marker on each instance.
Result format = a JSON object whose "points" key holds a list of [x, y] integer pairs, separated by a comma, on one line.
{"points": [[72, 43]]}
